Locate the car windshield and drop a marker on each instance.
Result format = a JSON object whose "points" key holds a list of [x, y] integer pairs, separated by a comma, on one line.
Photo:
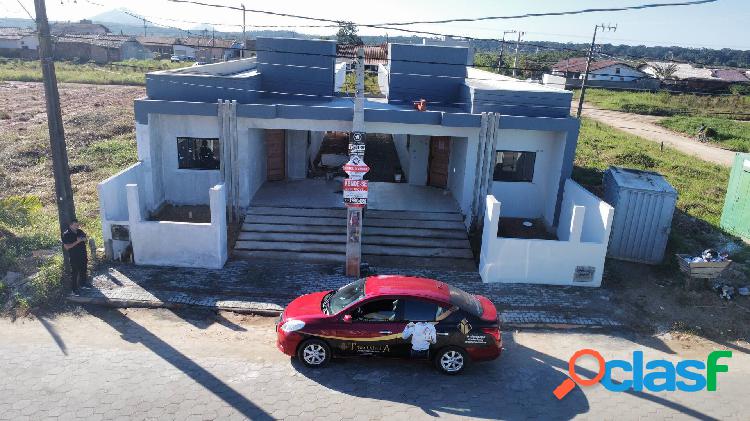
{"points": [[465, 301], [346, 295]]}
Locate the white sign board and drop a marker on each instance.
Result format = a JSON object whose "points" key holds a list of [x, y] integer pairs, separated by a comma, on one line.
{"points": [[356, 167], [355, 192]]}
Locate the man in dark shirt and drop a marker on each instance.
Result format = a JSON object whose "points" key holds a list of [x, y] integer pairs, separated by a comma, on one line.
{"points": [[74, 241]]}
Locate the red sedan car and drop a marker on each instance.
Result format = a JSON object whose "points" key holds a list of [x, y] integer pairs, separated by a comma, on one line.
{"points": [[369, 317]]}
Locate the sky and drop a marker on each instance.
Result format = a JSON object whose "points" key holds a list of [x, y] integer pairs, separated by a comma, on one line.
{"points": [[723, 24]]}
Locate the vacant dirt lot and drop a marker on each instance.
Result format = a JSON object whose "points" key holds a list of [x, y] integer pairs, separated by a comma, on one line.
{"points": [[91, 114]]}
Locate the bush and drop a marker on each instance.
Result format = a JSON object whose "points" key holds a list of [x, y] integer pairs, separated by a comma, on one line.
{"points": [[740, 89], [635, 158], [647, 109], [18, 210]]}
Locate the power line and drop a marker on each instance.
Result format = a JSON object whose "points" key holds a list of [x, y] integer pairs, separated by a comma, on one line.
{"points": [[25, 10], [570, 12]]}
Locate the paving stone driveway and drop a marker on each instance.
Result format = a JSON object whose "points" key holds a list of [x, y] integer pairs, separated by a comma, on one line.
{"points": [[119, 368], [270, 285]]}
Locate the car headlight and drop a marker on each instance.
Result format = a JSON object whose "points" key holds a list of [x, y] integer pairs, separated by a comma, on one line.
{"points": [[292, 325]]}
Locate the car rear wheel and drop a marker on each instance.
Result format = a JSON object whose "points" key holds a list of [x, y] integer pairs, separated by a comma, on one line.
{"points": [[314, 353], [451, 360]]}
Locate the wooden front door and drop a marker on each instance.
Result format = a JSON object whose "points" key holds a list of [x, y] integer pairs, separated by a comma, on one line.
{"points": [[440, 152], [276, 154]]}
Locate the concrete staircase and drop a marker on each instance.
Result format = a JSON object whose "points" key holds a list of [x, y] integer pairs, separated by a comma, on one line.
{"points": [[390, 238]]}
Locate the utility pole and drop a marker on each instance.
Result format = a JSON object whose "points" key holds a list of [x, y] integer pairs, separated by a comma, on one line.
{"points": [[355, 187], [244, 37], [500, 62], [144, 27], [515, 59], [66, 209], [588, 64]]}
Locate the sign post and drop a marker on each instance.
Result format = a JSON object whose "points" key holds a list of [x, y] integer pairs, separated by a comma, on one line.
{"points": [[355, 188]]}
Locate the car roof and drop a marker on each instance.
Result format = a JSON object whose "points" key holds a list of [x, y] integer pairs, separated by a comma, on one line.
{"points": [[382, 285]]}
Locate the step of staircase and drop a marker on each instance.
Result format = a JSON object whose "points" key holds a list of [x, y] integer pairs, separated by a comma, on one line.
{"points": [[390, 238]]}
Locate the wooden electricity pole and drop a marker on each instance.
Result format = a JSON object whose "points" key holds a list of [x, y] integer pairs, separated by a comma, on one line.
{"points": [[63, 190], [588, 65]]}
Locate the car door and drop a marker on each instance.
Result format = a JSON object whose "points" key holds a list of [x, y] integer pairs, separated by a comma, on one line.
{"points": [[418, 310], [375, 328]]}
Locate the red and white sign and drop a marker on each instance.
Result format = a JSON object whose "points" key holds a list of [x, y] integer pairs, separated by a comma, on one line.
{"points": [[355, 192], [356, 167]]}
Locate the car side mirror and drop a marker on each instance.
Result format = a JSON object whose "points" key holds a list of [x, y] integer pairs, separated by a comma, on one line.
{"points": [[347, 318]]}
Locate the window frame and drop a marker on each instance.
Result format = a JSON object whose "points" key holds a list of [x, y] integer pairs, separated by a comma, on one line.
{"points": [[533, 166], [215, 150]]}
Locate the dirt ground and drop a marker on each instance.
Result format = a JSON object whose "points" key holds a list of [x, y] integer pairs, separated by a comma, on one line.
{"points": [[91, 114], [644, 126]]}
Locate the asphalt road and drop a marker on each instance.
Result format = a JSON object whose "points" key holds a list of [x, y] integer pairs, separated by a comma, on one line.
{"points": [[644, 126], [155, 364]]}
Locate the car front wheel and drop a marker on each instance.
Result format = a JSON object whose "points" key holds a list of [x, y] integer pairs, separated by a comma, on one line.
{"points": [[314, 353], [451, 360]]}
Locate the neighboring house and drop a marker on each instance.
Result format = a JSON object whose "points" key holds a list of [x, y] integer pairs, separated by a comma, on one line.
{"points": [[83, 27], [160, 46], [253, 137], [99, 48], [18, 39], [612, 70], [687, 77], [603, 73], [376, 56], [208, 50], [18, 43]]}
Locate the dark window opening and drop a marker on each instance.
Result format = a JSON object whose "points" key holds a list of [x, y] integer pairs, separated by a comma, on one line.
{"points": [[420, 311], [194, 153], [514, 166], [617, 70], [377, 311]]}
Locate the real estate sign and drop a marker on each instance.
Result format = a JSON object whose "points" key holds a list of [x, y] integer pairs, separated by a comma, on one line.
{"points": [[355, 193]]}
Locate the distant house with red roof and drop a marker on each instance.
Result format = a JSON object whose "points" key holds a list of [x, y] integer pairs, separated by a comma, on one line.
{"points": [[609, 70]]}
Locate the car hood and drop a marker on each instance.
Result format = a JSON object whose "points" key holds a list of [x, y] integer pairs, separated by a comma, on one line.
{"points": [[305, 306]]}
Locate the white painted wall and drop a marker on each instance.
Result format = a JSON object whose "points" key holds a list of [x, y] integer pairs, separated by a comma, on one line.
{"points": [[296, 154], [182, 244], [399, 141], [113, 206], [339, 77], [627, 74], [457, 167], [419, 155], [184, 186], [252, 162], [511, 260], [538, 198]]}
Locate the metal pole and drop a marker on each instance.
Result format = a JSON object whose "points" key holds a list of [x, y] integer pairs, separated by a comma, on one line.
{"points": [[588, 66], [63, 190], [354, 214], [501, 63], [144, 27], [244, 37]]}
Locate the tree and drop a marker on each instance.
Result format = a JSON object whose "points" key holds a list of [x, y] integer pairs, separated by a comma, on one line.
{"points": [[665, 71], [347, 34]]}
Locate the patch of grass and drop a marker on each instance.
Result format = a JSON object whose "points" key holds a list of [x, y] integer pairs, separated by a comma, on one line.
{"points": [[731, 134], [118, 73], [701, 185], [24, 227], [47, 284], [665, 103], [110, 155]]}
